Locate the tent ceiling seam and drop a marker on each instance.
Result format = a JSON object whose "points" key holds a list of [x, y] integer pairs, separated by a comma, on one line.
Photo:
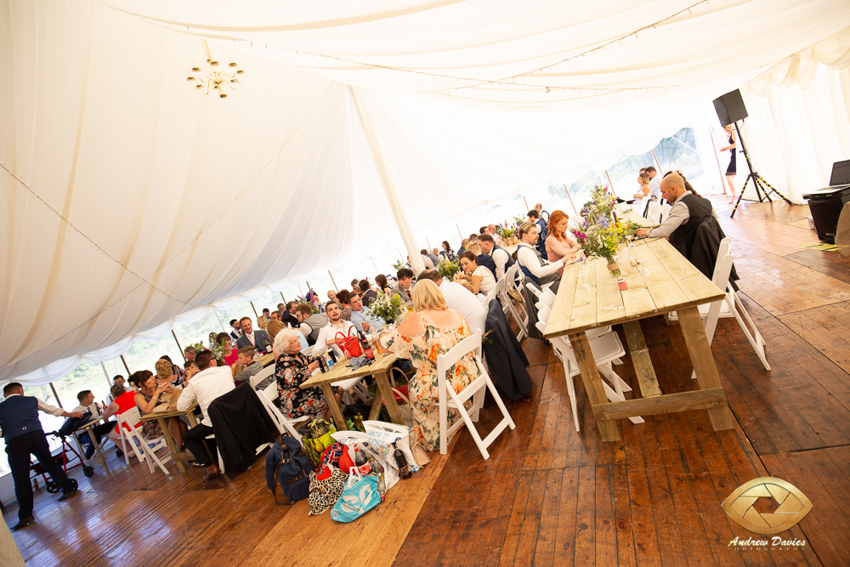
{"points": [[87, 237]]}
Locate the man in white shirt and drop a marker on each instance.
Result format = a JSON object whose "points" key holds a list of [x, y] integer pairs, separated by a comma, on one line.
{"points": [[208, 384], [532, 263], [336, 324], [460, 299], [654, 181]]}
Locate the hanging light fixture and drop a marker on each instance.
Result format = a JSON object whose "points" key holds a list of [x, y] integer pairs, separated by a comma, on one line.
{"points": [[215, 78]]}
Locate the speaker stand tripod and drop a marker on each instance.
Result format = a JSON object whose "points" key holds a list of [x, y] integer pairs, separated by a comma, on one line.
{"points": [[758, 181]]}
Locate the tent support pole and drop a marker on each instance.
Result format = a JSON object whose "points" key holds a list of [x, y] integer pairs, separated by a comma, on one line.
{"points": [[336, 287], [459, 232], [610, 183], [717, 159], [252, 307], [178, 345], [526, 203], [373, 265], [106, 374], [125, 365], [656, 161], [56, 395], [282, 298], [567, 189], [378, 157], [220, 324]]}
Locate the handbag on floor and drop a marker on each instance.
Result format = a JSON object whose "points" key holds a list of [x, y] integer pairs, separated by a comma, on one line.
{"points": [[315, 438], [358, 497], [326, 486], [287, 465]]}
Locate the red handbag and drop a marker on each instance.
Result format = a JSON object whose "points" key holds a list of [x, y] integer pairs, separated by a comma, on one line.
{"points": [[349, 344]]}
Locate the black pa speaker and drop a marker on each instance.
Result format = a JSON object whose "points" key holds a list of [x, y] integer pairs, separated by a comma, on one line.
{"points": [[730, 108]]}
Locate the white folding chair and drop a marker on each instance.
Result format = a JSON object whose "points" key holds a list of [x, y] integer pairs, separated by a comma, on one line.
{"points": [[261, 375], [730, 306], [509, 282], [606, 349], [475, 390], [284, 425], [137, 440]]}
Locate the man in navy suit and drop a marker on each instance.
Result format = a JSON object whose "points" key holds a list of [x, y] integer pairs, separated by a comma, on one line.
{"points": [[258, 339], [24, 436]]}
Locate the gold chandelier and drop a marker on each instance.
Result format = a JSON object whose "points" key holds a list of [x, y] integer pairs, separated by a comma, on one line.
{"points": [[215, 78]]}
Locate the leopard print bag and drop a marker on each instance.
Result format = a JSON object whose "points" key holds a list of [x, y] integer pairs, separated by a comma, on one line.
{"points": [[325, 493]]}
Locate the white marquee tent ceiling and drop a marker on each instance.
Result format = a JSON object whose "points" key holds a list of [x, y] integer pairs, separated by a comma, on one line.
{"points": [[128, 198]]}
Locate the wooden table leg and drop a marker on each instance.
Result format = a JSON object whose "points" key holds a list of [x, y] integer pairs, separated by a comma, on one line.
{"points": [[163, 425], [385, 392], [640, 358], [336, 412], [593, 384], [98, 450], [703, 361]]}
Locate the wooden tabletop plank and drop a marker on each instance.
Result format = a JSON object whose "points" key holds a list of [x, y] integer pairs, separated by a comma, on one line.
{"points": [[637, 301], [584, 303], [660, 284], [696, 287], [609, 302], [562, 309], [341, 371]]}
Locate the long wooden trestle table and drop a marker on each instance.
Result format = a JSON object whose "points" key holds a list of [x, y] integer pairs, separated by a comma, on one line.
{"points": [[663, 281]]}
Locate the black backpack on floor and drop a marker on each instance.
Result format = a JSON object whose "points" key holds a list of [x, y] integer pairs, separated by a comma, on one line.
{"points": [[287, 465]]}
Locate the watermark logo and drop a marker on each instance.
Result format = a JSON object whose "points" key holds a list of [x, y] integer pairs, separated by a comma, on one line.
{"points": [[790, 504]]}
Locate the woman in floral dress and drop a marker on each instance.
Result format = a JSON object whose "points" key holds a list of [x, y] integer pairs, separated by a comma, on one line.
{"points": [[430, 331], [291, 370]]}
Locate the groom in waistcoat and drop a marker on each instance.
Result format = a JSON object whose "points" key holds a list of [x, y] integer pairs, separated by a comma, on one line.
{"points": [[24, 436], [531, 262]]}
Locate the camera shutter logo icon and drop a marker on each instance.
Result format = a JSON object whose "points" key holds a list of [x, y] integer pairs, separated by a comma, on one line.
{"points": [[792, 505]]}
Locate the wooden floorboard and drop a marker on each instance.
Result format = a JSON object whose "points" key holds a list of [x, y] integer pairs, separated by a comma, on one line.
{"points": [[550, 495]]}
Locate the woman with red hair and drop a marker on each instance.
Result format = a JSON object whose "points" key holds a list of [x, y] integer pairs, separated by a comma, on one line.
{"points": [[558, 244]]}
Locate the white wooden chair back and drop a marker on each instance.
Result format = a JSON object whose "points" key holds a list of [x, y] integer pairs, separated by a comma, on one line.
{"points": [[284, 426], [137, 440], [261, 375], [476, 390]]}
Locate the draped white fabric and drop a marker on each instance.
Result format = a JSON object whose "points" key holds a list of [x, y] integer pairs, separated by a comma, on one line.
{"points": [[128, 198]]}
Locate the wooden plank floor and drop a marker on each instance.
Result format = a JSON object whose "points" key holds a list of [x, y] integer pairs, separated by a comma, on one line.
{"points": [[550, 495]]}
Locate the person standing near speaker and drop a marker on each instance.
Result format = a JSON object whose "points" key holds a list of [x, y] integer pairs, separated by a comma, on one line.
{"points": [[732, 169]]}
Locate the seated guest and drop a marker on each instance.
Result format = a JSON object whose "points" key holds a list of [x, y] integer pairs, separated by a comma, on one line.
{"points": [[476, 279], [229, 350], [402, 288], [288, 317], [435, 253], [292, 369], [655, 183], [367, 295], [190, 370], [275, 316], [462, 248], [473, 247], [531, 261], [687, 213], [208, 384], [332, 295], [266, 312], [274, 328], [382, 283], [433, 329], [361, 319], [147, 398], [534, 216], [310, 324], [558, 244], [336, 324], [642, 195], [258, 339], [123, 400], [236, 333], [262, 322], [493, 256], [115, 380], [460, 299], [165, 372], [250, 368], [429, 263], [87, 406], [342, 301], [447, 251], [491, 230], [189, 353]]}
